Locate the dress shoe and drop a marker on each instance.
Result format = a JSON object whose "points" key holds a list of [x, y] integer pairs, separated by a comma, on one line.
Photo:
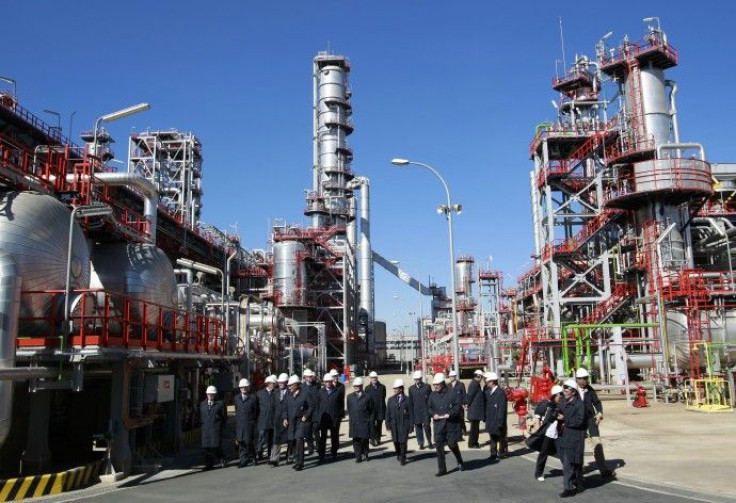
{"points": [[608, 474], [223, 464], [421, 447], [461, 467], [241, 465], [431, 445], [567, 494], [359, 459], [580, 489], [403, 462], [274, 464], [298, 467], [365, 457], [440, 473]]}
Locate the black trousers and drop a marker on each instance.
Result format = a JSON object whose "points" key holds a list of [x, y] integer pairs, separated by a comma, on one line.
{"points": [[246, 451], [400, 448], [495, 441], [296, 451], [547, 444], [462, 422], [334, 431], [376, 430], [427, 427], [265, 439], [572, 472], [360, 447], [440, 447], [314, 437], [474, 433], [212, 455]]}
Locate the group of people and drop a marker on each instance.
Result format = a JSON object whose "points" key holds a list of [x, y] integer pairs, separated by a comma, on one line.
{"points": [[301, 414], [561, 425]]}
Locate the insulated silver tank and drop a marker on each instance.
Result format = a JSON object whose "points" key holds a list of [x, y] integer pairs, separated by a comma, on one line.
{"points": [[655, 103], [288, 273], [464, 275], [34, 230], [722, 331]]}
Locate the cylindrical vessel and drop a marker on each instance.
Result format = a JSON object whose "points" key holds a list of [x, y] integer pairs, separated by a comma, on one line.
{"points": [[10, 281], [721, 332], [289, 273], [464, 275], [655, 103]]}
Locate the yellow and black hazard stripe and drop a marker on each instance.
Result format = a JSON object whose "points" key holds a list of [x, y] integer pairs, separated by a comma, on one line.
{"points": [[50, 483]]}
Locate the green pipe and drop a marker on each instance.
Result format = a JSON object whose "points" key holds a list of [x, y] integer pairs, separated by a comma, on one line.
{"points": [[542, 125]]}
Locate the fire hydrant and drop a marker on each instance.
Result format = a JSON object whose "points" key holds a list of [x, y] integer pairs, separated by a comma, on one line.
{"points": [[519, 396], [641, 397]]}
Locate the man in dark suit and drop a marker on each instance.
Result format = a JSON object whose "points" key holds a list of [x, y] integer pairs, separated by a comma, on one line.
{"points": [[458, 387], [360, 414], [296, 418], [213, 418], [445, 408], [496, 413], [377, 392], [400, 419], [419, 394], [594, 413], [475, 406], [340, 387], [279, 429], [311, 386], [572, 439], [266, 404], [246, 421], [330, 412]]}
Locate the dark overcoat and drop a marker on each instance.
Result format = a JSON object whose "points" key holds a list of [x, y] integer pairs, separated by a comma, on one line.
{"points": [[340, 387], [246, 417], [213, 421], [360, 414], [400, 418], [419, 396], [266, 406], [572, 439], [279, 411], [444, 402], [377, 393], [298, 412], [313, 389], [459, 388], [330, 408], [496, 411], [475, 399]]}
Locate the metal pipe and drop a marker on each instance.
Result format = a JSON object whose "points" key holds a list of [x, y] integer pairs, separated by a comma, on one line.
{"points": [[367, 293], [190, 280], [10, 284], [226, 313], [673, 110], [681, 146]]}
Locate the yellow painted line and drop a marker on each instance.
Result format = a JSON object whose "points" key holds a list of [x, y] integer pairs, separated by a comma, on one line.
{"points": [[42, 485], [24, 488], [6, 489], [58, 486]]}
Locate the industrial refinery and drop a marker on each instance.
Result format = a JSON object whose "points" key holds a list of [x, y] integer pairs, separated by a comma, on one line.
{"points": [[121, 305]]}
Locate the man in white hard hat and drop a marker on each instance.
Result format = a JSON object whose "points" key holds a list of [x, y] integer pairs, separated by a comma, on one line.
{"points": [[213, 417], [572, 439], [594, 412], [296, 418], [266, 405], [340, 387], [546, 429], [360, 414], [458, 387], [329, 413], [246, 421], [311, 386], [445, 408], [496, 414], [279, 428], [475, 406], [377, 392], [419, 394], [400, 419]]}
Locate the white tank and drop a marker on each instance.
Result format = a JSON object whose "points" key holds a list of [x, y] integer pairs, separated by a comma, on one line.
{"points": [[464, 277], [288, 273], [656, 105], [34, 230]]}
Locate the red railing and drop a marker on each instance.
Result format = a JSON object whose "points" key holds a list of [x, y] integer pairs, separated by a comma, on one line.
{"points": [[113, 320], [594, 225], [621, 292], [653, 43]]}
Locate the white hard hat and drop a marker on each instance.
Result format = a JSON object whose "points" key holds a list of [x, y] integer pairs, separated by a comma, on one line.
{"points": [[283, 378], [308, 373], [334, 372], [556, 390], [452, 374], [244, 383], [582, 373], [327, 377], [271, 379], [294, 380], [491, 376], [478, 373], [417, 374], [211, 390], [398, 383], [358, 381], [570, 383], [439, 378], [373, 374]]}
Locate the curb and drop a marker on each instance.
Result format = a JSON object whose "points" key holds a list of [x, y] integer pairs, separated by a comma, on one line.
{"points": [[50, 483]]}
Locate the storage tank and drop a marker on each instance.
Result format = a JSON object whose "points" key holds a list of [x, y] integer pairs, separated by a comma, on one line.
{"points": [[722, 329], [288, 273], [464, 276], [34, 230]]}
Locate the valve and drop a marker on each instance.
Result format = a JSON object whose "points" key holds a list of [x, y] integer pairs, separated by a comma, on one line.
{"points": [[641, 397], [519, 396]]}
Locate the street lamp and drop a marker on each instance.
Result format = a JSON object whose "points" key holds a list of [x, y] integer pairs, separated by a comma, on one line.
{"points": [[13, 83], [125, 112], [448, 209]]}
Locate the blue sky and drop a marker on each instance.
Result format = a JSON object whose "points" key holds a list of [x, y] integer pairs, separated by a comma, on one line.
{"points": [[459, 85]]}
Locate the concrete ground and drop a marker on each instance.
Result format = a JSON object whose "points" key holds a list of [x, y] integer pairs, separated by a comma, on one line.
{"points": [[661, 453]]}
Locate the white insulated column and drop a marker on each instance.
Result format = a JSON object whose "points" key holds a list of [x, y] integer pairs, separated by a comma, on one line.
{"points": [[366, 254]]}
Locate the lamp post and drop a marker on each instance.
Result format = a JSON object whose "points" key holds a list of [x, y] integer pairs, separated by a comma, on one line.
{"points": [[57, 115], [125, 112], [448, 209], [13, 83]]}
